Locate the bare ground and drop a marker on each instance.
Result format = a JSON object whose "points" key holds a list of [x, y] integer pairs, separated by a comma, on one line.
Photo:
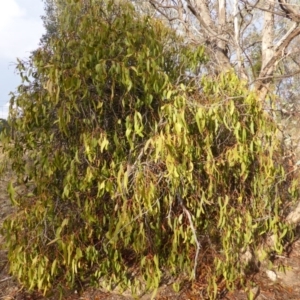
{"points": [[285, 286]]}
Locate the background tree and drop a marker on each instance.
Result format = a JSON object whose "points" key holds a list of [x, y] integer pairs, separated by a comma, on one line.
{"points": [[52, 10], [50, 19], [137, 169], [224, 27]]}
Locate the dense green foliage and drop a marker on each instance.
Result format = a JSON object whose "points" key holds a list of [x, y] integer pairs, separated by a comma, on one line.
{"points": [[3, 125], [132, 167]]}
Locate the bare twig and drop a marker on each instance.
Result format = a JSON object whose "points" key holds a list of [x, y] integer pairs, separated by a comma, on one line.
{"points": [[198, 245], [5, 279]]}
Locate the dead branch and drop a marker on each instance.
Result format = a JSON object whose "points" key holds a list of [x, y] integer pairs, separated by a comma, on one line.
{"points": [[5, 279]]}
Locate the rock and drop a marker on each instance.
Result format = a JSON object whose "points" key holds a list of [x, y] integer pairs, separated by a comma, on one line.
{"points": [[294, 216], [246, 257], [271, 275]]}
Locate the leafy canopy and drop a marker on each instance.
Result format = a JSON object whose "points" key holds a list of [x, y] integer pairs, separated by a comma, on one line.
{"points": [[133, 166]]}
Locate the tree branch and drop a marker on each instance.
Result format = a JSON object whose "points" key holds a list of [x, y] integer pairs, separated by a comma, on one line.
{"points": [[278, 50], [204, 18], [290, 13]]}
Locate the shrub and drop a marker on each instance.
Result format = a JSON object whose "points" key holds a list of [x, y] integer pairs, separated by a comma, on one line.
{"points": [[133, 167]]}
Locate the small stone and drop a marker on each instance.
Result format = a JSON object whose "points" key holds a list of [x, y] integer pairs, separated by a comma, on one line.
{"points": [[294, 216], [272, 275], [246, 257]]}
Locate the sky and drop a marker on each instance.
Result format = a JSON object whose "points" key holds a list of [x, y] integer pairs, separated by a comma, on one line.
{"points": [[21, 28]]}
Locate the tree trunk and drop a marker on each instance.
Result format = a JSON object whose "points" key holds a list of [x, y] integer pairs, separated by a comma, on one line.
{"points": [[267, 47]]}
